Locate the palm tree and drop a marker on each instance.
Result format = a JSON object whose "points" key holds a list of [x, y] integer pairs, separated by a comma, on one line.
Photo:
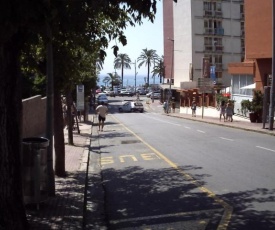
{"points": [[147, 58], [99, 64], [114, 78], [122, 61], [158, 69], [106, 80]]}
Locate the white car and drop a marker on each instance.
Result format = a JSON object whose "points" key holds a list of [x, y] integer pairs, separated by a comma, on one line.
{"points": [[131, 106]]}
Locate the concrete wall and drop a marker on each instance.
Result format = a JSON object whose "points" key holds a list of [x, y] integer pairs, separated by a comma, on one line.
{"points": [[34, 116]]}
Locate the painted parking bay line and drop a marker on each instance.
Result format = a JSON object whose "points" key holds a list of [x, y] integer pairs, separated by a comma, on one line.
{"points": [[129, 158], [228, 210]]}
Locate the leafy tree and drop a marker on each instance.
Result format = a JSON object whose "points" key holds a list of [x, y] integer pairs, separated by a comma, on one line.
{"points": [[158, 69], [122, 61], [147, 58], [74, 25]]}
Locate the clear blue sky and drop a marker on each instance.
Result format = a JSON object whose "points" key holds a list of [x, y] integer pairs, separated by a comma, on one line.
{"points": [[148, 35]]}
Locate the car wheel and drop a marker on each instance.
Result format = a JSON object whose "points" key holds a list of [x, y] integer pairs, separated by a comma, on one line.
{"points": [[141, 111], [120, 110]]}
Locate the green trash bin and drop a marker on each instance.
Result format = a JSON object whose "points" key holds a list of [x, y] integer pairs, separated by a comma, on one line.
{"points": [[34, 169]]}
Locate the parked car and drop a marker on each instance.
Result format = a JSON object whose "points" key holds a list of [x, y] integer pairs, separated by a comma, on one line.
{"points": [[102, 97], [131, 106], [141, 91], [112, 94], [126, 93], [150, 94], [155, 95]]}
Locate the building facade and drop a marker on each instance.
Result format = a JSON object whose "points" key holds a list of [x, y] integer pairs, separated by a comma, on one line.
{"points": [[257, 66], [204, 31]]}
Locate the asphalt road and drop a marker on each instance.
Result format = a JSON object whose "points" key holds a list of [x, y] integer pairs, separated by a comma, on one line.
{"points": [[160, 172]]}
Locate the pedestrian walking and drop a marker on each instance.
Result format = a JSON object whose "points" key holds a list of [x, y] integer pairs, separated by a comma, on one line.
{"points": [[173, 106], [102, 111], [165, 107], [193, 107], [229, 110], [222, 110]]}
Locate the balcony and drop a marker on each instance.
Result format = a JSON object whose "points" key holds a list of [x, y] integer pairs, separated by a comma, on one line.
{"points": [[208, 31], [207, 13], [217, 14], [219, 31], [208, 48], [242, 16], [218, 49], [218, 67]]}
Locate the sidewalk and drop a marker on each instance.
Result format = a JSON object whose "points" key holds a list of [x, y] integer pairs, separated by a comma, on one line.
{"points": [[65, 209], [212, 115]]}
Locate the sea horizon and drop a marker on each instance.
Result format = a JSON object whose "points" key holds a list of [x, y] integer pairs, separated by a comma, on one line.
{"points": [[129, 80]]}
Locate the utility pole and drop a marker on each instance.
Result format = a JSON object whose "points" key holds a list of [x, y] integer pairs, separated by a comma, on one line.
{"points": [[170, 82], [49, 112], [272, 88]]}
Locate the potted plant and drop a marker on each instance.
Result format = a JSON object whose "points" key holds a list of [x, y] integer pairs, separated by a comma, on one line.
{"points": [[254, 107], [245, 107], [257, 105]]}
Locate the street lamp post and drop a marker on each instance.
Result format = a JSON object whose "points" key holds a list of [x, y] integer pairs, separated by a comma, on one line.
{"points": [[170, 81], [135, 63]]}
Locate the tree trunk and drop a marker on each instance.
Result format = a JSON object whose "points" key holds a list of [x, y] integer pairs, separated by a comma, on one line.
{"points": [[148, 74], [13, 214], [59, 145], [69, 101]]}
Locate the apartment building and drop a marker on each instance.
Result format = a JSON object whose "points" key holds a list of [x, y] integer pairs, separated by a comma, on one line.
{"points": [[257, 66], [202, 31]]}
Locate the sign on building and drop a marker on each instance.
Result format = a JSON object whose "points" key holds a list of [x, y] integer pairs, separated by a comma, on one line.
{"points": [[80, 97], [213, 74], [205, 84], [205, 67]]}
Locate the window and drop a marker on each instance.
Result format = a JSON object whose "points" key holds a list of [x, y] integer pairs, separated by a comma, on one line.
{"points": [[208, 41], [208, 23], [218, 6], [217, 41], [217, 24], [218, 58], [240, 81], [207, 6]]}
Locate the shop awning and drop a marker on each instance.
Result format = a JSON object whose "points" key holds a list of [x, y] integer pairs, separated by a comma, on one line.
{"points": [[252, 86]]}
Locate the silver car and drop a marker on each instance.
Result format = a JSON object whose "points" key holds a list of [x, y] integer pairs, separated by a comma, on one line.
{"points": [[102, 98]]}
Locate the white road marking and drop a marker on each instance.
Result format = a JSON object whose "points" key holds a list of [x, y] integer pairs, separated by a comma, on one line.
{"points": [[200, 131], [260, 147], [227, 139], [187, 127], [171, 123]]}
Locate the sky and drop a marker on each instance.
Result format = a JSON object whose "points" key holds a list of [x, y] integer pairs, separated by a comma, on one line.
{"points": [[148, 35]]}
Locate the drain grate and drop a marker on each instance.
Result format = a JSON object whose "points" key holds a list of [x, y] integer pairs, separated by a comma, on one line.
{"points": [[130, 141]]}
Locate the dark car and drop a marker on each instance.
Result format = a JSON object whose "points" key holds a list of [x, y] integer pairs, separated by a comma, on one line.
{"points": [[126, 93]]}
